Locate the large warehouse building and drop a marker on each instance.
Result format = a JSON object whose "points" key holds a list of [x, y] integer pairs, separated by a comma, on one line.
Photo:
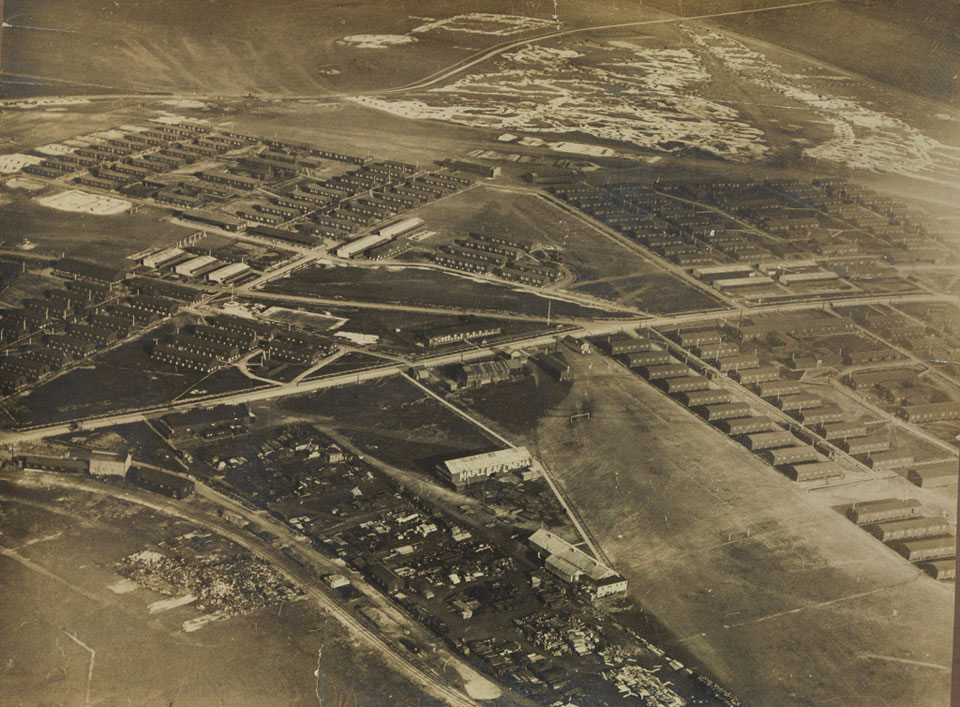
{"points": [[470, 470]]}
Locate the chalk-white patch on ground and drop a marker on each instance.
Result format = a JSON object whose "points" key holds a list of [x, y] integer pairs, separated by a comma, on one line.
{"points": [[622, 92], [110, 134], [84, 203], [54, 148], [357, 338], [375, 41], [170, 119], [580, 148], [172, 603], [147, 557], [27, 184], [864, 137], [124, 586], [184, 103], [196, 624], [477, 686], [10, 164], [29, 103], [44, 539], [288, 315], [486, 23]]}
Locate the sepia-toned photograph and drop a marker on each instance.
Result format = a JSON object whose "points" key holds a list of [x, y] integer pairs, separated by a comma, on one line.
{"points": [[479, 353]]}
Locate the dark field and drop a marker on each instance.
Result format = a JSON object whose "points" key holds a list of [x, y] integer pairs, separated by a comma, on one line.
{"points": [[348, 362], [516, 406], [390, 418], [656, 292], [224, 380], [125, 377], [411, 286]]}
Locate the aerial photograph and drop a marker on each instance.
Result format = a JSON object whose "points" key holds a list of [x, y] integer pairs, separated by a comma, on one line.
{"points": [[482, 353]]}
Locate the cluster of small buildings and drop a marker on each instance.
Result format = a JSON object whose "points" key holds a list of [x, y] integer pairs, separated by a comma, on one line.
{"points": [[686, 234], [931, 330], [50, 330], [96, 308], [899, 234], [377, 192], [680, 221], [225, 338], [434, 569], [901, 525], [823, 418], [240, 169], [451, 578], [902, 391], [136, 155], [306, 209], [801, 325], [482, 373], [889, 324], [509, 260]]}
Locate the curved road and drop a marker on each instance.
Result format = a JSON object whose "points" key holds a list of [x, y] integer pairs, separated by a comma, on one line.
{"points": [[498, 49], [298, 575], [430, 80]]}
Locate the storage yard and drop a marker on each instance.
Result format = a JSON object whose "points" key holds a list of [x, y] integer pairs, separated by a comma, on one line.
{"points": [[48, 537]]}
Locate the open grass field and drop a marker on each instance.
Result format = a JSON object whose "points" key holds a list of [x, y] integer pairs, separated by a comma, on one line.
{"points": [[807, 609], [108, 238], [61, 589], [32, 126], [286, 47], [884, 28]]}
